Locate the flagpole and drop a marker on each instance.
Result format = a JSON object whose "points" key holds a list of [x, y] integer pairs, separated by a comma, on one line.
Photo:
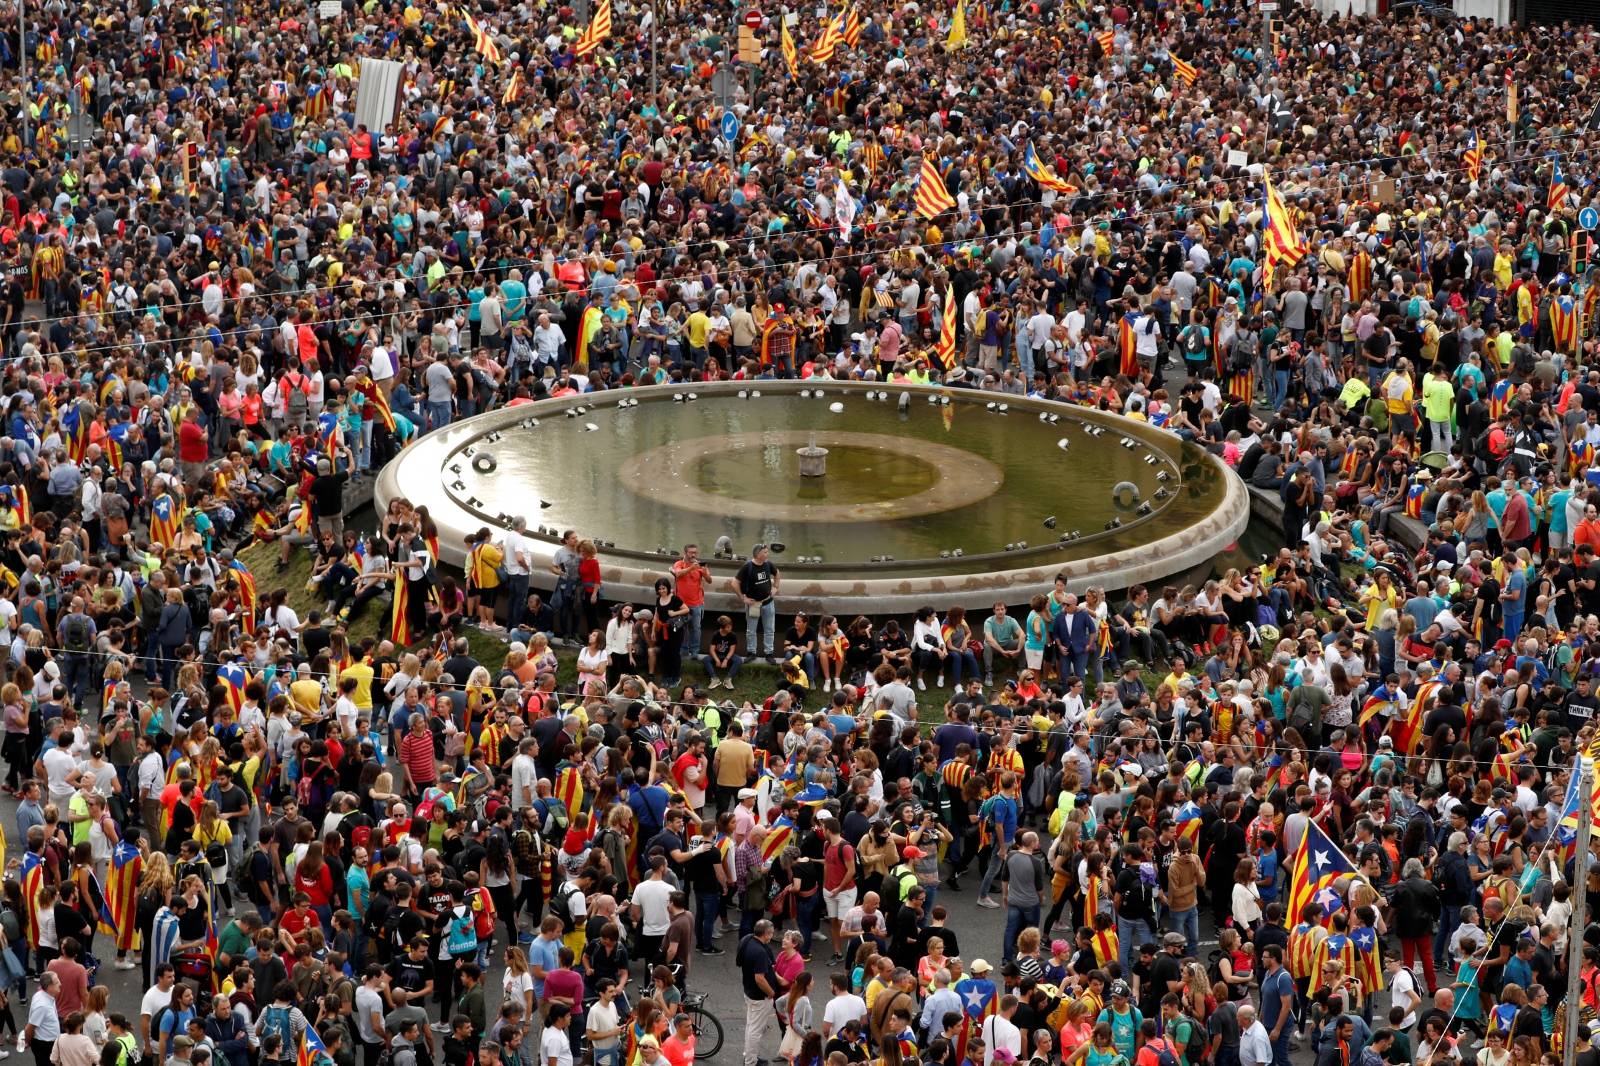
{"points": [[1579, 919], [22, 58]]}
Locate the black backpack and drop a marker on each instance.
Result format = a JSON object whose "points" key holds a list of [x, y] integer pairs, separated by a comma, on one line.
{"points": [[76, 636], [561, 904]]}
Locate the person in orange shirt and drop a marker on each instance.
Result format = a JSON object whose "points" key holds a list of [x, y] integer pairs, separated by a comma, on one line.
{"points": [[1588, 531], [679, 1047]]}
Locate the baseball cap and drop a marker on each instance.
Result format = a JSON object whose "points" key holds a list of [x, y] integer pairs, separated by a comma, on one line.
{"points": [[980, 966], [1120, 988]]}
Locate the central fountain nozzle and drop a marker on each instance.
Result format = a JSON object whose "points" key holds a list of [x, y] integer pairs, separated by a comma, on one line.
{"points": [[813, 460]]}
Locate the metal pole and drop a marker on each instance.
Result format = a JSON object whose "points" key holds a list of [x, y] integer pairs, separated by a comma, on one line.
{"points": [[655, 49], [1580, 918], [22, 56]]}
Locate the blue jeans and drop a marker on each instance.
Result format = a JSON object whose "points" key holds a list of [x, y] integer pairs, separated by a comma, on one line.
{"points": [[691, 631], [963, 663], [1129, 938], [733, 666], [76, 671], [1017, 919], [806, 909], [707, 905], [769, 620], [1187, 922], [364, 452], [1512, 625], [438, 414], [1280, 388], [1280, 1050], [517, 596], [611, 1056]]}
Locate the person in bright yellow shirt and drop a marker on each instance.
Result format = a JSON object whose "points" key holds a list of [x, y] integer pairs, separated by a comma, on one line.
{"points": [[1438, 406], [697, 328], [1502, 268], [362, 696], [484, 560], [305, 694], [1378, 598]]}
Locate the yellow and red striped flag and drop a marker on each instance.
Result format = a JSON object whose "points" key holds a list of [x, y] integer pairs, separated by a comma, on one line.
{"points": [[791, 54], [852, 27], [1108, 41], [599, 29], [1187, 71], [832, 37], [1281, 241], [946, 348], [513, 89], [482, 40], [931, 198]]}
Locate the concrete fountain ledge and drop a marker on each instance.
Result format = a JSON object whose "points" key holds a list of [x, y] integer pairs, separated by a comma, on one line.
{"points": [[419, 475]]}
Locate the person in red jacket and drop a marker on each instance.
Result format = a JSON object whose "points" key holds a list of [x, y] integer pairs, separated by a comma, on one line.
{"points": [[193, 448]]}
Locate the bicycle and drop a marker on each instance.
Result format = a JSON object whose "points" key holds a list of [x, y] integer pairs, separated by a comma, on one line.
{"points": [[707, 1029], [708, 1035]]}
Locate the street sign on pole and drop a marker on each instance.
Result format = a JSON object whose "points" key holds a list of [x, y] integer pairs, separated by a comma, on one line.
{"points": [[722, 86], [730, 127], [1589, 218]]}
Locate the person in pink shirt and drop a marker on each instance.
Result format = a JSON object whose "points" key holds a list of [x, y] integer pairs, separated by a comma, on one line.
{"points": [[889, 342], [744, 815]]}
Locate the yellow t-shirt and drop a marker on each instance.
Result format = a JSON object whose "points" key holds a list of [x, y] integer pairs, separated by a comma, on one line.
{"points": [[1377, 603], [1502, 271], [698, 328], [362, 696], [306, 694]]}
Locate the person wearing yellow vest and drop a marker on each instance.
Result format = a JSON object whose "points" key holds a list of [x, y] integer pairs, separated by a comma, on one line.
{"points": [[1399, 397]]}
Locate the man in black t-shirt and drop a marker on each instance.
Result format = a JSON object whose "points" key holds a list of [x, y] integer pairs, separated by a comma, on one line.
{"points": [[1166, 972], [760, 983], [1580, 703], [705, 873], [412, 974], [327, 497], [757, 584]]}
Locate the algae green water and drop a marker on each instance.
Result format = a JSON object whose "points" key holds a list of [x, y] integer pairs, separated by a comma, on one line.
{"points": [[912, 485]]}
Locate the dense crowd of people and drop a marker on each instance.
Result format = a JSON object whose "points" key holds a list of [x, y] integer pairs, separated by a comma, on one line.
{"points": [[1325, 802]]}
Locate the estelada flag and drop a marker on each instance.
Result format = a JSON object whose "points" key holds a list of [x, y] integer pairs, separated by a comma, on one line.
{"points": [[1318, 863]]}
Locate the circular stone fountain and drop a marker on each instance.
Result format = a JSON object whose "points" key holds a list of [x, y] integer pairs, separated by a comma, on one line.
{"points": [[942, 501]]}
